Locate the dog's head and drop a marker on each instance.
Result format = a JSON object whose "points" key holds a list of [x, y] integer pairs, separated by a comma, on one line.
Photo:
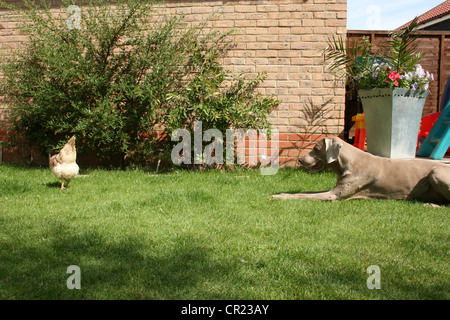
{"points": [[324, 153]]}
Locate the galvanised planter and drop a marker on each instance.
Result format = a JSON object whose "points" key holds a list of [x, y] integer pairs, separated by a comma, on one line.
{"points": [[392, 117]]}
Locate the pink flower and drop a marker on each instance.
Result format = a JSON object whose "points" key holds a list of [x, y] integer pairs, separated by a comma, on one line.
{"points": [[396, 83], [393, 76]]}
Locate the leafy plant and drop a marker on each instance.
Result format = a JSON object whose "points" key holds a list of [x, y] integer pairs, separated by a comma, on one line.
{"points": [[347, 59], [395, 64], [121, 80], [401, 49]]}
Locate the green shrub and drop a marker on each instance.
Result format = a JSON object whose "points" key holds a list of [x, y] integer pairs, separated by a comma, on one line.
{"points": [[122, 81]]}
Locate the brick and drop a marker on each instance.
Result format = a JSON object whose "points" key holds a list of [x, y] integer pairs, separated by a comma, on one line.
{"points": [[245, 38], [302, 91], [278, 45], [288, 114], [246, 54], [278, 121], [202, 9], [257, 46], [335, 7], [267, 38], [288, 53], [257, 31], [256, 16], [324, 30], [281, 76], [295, 153], [280, 61], [223, 24], [302, 15], [267, 23], [234, 61], [288, 84], [295, 137], [241, 8], [257, 61], [278, 15], [266, 8], [301, 30], [246, 23], [298, 122], [313, 23], [278, 92], [267, 53], [290, 144], [290, 23], [302, 45], [234, 16], [318, 7], [291, 7], [244, 69], [335, 23], [292, 38]]}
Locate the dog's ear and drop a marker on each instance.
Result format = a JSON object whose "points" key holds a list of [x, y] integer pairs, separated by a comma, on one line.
{"points": [[333, 149]]}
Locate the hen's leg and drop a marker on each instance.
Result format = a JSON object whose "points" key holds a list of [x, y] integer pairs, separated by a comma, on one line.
{"points": [[62, 184]]}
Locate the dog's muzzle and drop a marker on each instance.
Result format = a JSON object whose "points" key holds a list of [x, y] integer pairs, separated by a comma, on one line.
{"points": [[312, 166], [319, 165]]}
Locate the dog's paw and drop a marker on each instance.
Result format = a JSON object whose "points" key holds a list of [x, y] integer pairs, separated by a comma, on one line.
{"points": [[278, 196], [431, 205]]}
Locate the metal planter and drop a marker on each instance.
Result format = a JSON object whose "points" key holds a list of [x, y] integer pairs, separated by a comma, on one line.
{"points": [[392, 118]]}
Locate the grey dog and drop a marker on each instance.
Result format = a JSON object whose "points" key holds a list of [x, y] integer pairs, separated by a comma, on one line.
{"points": [[366, 176]]}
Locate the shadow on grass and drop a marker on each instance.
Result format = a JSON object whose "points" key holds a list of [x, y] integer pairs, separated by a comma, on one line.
{"points": [[110, 269], [53, 185]]}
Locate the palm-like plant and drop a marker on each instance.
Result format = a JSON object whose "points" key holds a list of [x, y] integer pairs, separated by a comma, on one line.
{"points": [[348, 58], [402, 48], [353, 60]]}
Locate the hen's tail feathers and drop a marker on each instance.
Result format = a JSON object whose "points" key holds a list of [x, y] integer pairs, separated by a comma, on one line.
{"points": [[69, 153]]}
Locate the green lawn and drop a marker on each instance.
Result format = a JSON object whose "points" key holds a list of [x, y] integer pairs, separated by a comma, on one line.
{"points": [[212, 235]]}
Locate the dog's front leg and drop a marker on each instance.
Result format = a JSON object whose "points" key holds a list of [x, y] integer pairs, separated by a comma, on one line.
{"points": [[324, 196], [344, 189]]}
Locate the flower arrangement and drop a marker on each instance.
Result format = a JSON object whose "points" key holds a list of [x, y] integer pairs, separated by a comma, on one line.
{"points": [[381, 75], [394, 65]]}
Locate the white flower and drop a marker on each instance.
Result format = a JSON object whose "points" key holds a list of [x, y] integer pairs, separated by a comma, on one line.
{"points": [[420, 71]]}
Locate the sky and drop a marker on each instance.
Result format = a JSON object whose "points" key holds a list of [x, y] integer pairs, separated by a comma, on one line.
{"points": [[385, 14]]}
